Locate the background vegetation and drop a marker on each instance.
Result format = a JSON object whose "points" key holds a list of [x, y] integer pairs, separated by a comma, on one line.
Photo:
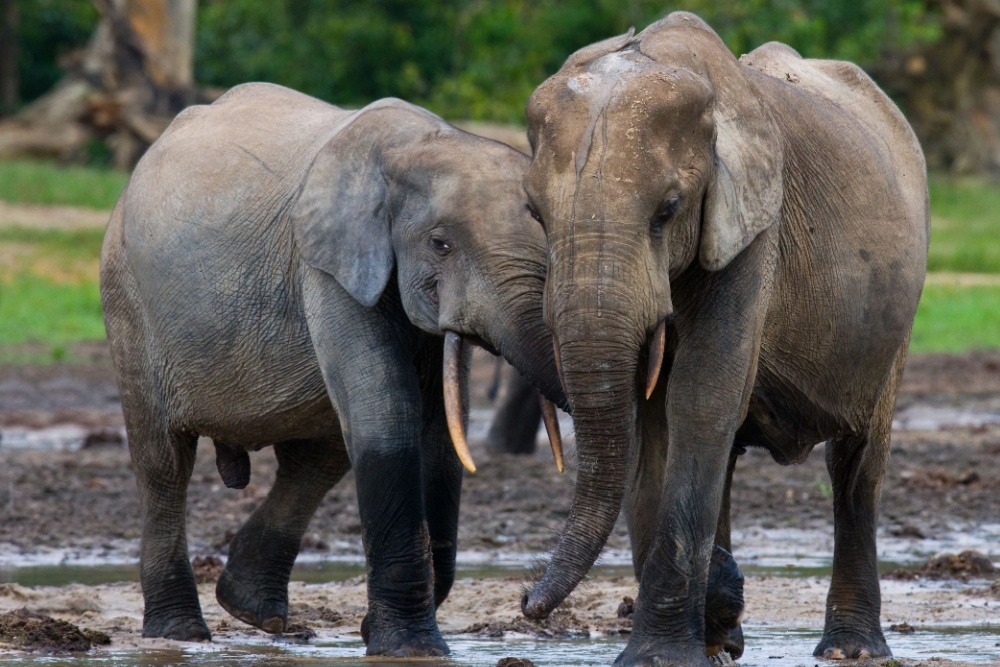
{"points": [[465, 59], [473, 59]]}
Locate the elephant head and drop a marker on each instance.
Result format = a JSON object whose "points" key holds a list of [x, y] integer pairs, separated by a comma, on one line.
{"points": [[652, 158], [397, 192]]}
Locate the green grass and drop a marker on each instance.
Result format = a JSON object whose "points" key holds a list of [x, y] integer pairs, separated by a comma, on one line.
{"points": [[954, 319], [34, 182], [81, 243], [33, 309], [965, 226]]}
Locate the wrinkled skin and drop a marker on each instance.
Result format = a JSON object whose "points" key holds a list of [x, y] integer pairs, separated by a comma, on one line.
{"points": [[771, 214], [279, 272]]}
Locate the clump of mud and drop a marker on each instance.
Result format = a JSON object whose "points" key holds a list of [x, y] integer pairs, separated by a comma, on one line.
{"points": [[27, 631], [562, 624], [970, 564], [207, 568]]}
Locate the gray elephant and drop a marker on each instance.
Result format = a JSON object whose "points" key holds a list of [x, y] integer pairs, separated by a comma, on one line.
{"points": [[754, 232], [280, 271]]}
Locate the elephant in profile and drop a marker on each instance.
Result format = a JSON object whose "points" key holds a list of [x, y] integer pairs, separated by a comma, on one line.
{"points": [[736, 249], [281, 272]]}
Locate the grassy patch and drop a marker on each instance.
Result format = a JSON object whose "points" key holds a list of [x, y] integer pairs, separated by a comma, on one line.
{"points": [[965, 226], [957, 318], [35, 309], [35, 182], [49, 286]]}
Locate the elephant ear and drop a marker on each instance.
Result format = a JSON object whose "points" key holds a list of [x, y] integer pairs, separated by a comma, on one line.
{"points": [[340, 218], [745, 194]]}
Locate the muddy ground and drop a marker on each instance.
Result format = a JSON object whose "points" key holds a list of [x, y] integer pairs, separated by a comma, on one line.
{"points": [[66, 504]]}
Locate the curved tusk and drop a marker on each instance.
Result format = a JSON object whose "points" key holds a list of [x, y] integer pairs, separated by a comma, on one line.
{"points": [[656, 357], [552, 428], [453, 398]]}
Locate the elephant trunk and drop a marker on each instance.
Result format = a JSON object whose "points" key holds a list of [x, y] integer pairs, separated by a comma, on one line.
{"points": [[601, 383]]}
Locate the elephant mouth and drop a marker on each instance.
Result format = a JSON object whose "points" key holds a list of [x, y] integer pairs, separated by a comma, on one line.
{"points": [[480, 343]]}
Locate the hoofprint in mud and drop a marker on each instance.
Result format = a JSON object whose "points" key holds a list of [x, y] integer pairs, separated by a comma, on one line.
{"points": [[64, 503]]}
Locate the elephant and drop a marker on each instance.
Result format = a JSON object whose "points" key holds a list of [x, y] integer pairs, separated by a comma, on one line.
{"points": [[514, 428], [736, 250], [280, 271]]}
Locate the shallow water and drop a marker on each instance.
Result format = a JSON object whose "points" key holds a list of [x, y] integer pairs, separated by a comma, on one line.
{"points": [[773, 647]]}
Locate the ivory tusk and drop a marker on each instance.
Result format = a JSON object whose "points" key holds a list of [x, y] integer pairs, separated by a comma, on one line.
{"points": [[552, 428], [453, 398], [656, 357]]}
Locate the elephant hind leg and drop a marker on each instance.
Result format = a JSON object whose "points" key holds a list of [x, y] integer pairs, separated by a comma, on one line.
{"points": [[857, 466], [163, 458], [163, 463], [253, 586]]}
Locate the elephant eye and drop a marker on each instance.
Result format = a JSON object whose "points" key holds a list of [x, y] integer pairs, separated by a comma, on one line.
{"points": [[534, 213], [440, 246], [663, 215]]}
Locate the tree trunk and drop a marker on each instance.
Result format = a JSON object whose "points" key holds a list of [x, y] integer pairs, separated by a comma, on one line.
{"points": [[133, 78], [950, 89]]}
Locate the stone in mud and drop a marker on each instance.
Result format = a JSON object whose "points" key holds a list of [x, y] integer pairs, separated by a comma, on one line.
{"points": [[27, 631]]}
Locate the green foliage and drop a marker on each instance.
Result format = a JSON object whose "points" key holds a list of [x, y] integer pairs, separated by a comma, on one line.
{"points": [[49, 31], [965, 225], [480, 60], [954, 318], [36, 182]]}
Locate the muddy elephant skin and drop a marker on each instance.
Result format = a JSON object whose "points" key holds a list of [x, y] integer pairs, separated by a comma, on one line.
{"points": [[280, 271], [736, 249]]}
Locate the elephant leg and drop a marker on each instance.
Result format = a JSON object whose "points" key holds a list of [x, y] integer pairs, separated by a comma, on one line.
{"points": [[440, 469], [253, 586], [163, 462], [515, 427], [857, 467], [724, 601], [723, 606], [368, 356]]}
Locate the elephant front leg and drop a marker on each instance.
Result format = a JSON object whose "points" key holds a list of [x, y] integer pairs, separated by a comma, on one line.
{"points": [[400, 621], [441, 469], [724, 594], [254, 585]]}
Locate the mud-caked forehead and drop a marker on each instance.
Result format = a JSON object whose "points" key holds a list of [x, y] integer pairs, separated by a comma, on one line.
{"points": [[621, 104]]}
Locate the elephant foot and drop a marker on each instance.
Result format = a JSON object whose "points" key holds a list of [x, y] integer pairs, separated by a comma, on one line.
{"points": [[724, 605], [852, 646], [402, 640], [653, 653], [264, 609], [734, 645], [179, 627]]}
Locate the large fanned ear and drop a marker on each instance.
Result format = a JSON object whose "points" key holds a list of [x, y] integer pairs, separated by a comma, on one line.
{"points": [[340, 219], [745, 194]]}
